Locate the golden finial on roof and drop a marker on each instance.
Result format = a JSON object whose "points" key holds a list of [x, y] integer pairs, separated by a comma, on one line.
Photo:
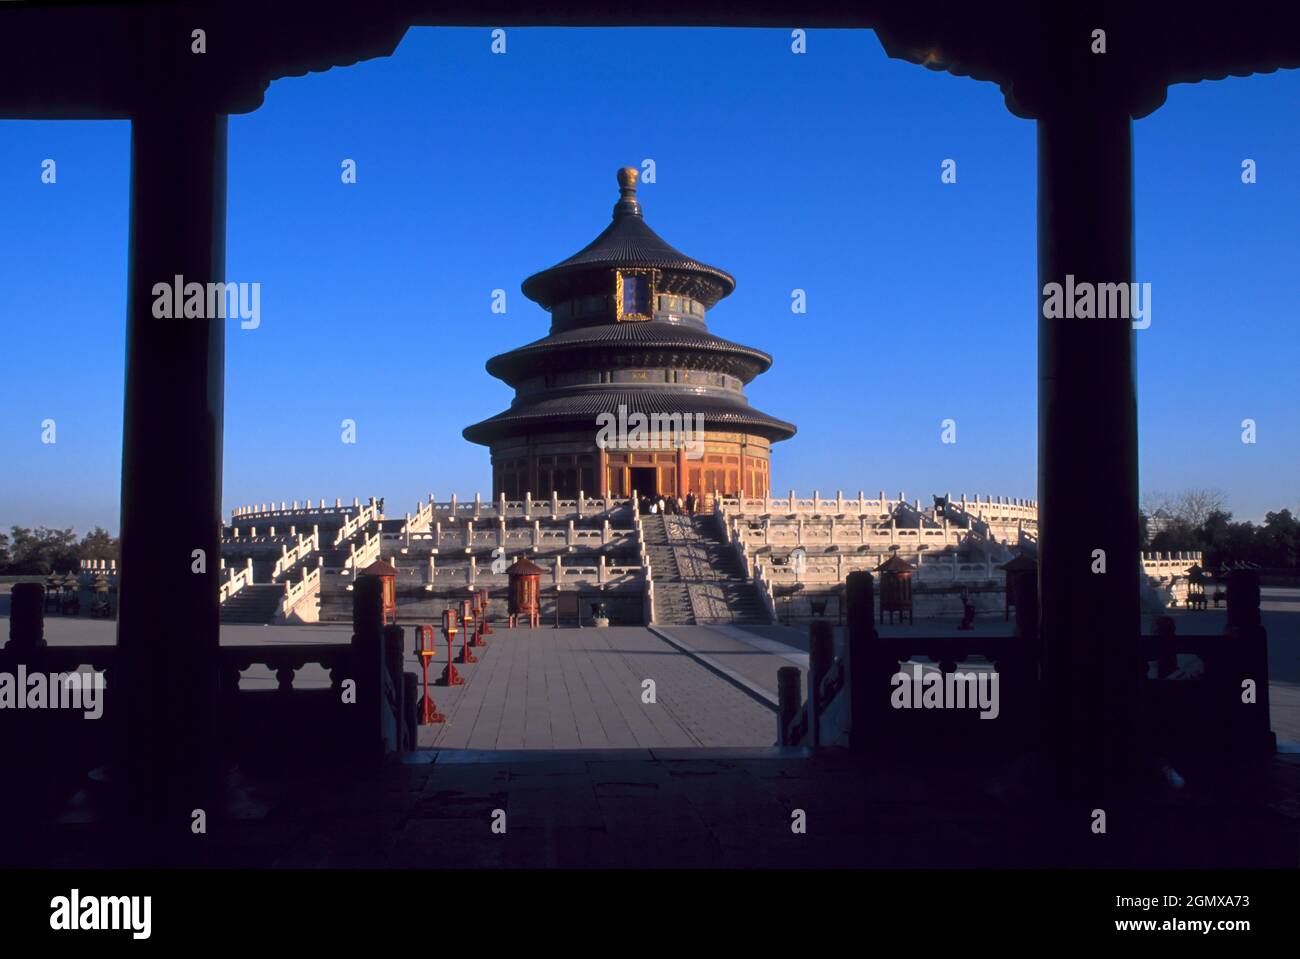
{"points": [[627, 202]]}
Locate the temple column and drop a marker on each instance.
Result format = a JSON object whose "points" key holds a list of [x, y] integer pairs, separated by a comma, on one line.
{"points": [[167, 628], [1087, 450]]}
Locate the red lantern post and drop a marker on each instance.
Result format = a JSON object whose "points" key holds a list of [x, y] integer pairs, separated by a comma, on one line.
{"points": [[481, 598], [449, 629], [427, 649], [467, 631]]}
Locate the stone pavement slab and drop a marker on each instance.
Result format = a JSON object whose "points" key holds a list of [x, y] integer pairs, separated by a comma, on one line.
{"points": [[583, 688]]}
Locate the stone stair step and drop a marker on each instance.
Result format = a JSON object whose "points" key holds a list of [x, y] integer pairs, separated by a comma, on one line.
{"points": [[252, 604]]}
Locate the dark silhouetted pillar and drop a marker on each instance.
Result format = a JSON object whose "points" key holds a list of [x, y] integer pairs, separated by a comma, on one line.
{"points": [[171, 479], [861, 652], [26, 619], [1248, 719], [821, 656], [1087, 450], [787, 690]]}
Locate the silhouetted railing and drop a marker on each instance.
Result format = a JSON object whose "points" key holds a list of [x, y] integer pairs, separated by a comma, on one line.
{"points": [[1208, 694], [1205, 695], [43, 740], [367, 710]]}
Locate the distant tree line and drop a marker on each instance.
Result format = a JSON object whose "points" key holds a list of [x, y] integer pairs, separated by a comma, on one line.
{"points": [[40, 551], [1197, 520]]}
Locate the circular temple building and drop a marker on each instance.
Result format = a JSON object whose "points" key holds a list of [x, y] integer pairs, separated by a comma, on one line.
{"points": [[629, 391]]}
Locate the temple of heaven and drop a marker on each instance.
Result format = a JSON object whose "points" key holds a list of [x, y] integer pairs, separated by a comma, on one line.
{"points": [[629, 391]]}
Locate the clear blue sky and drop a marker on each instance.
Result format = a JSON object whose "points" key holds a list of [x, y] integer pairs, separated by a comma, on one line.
{"points": [[818, 171]]}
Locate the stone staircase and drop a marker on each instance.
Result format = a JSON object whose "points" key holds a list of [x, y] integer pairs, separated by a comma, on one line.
{"points": [[257, 602], [672, 597], [253, 604], [698, 578]]}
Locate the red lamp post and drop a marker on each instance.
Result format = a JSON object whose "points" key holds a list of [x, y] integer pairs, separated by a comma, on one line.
{"points": [[483, 628], [467, 630], [449, 629], [427, 649]]}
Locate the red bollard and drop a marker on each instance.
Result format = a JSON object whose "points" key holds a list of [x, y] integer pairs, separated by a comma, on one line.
{"points": [[449, 675], [427, 649], [467, 632]]}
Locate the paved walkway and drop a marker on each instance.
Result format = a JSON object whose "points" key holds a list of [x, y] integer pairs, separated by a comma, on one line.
{"points": [[748, 657], [583, 689]]}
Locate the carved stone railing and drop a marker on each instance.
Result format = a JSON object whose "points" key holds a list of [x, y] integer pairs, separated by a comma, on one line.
{"points": [[299, 602], [367, 553], [367, 515], [827, 533], [766, 594], [468, 537], [832, 570], [1002, 509], [643, 558], [823, 719], [1204, 695], [249, 540], [239, 578], [1169, 565], [368, 709], [528, 508], [1209, 694], [75, 737], [601, 574], [284, 660], [290, 558], [99, 567], [420, 521], [265, 511]]}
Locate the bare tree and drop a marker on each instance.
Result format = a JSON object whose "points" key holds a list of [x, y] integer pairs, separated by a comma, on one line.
{"points": [[1194, 506], [1155, 501]]}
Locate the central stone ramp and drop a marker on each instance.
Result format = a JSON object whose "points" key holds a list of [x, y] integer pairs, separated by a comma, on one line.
{"points": [[698, 578], [746, 656]]}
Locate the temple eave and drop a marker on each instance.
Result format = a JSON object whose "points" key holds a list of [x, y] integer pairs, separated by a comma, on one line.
{"points": [[549, 414]]}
